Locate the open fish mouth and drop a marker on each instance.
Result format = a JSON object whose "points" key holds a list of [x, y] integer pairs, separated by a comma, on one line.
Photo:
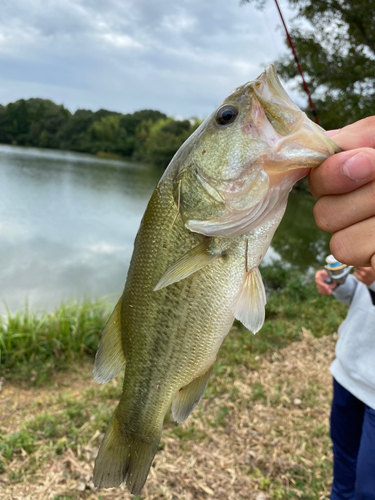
{"points": [[291, 133]]}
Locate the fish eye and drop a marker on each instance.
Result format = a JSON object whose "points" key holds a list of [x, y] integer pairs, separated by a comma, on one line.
{"points": [[226, 115]]}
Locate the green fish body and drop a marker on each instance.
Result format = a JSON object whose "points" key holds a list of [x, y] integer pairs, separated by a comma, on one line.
{"points": [[195, 265]]}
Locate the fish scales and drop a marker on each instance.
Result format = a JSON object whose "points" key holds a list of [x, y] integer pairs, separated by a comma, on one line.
{"points": [[185, 339], [195, 265]]}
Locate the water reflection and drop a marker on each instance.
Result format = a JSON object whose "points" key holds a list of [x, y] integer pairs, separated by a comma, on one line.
{"points": [[68, 222], [298, 241]]}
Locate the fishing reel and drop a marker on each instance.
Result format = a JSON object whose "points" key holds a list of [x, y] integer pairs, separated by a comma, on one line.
{"points": [[337, 272]]}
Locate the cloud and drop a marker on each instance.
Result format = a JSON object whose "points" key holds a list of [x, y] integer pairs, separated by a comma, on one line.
{"points": [[118, 40], [178, 23], [180, 57]]}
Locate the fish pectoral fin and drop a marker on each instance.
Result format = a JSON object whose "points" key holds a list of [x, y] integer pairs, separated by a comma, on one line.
{"points": [[110, 356], [248, 305], [189, 396], [195, 259]]}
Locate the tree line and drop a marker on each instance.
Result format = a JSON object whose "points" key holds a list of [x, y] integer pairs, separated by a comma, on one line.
{"points": [[336, 47], [147, 135]]}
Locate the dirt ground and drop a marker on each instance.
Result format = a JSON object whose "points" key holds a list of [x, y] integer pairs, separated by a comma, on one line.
{"points": [[265, 440]]}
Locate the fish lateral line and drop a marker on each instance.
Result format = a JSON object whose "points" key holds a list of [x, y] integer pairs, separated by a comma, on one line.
{"points": [[178, 204]]}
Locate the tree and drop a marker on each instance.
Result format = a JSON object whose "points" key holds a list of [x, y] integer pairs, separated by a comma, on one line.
{"points": [[74, 134], [336, 49], [134, 131], [163, 138], [5, 126], [32, 122], [46, 119], [145, 135]]}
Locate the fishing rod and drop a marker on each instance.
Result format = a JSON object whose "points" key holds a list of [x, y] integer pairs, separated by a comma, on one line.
{"points": [[298, 65]]}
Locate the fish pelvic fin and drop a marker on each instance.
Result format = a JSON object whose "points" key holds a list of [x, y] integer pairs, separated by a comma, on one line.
{"points": [[248, 305], [189, 396], [124, 457], [110, 356], [192, 261]]}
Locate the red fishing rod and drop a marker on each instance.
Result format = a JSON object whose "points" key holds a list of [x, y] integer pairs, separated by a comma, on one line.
{"points": [[298, 65]]}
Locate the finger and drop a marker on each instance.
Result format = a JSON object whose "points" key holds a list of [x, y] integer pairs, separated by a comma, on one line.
{"points": [[360, 271], [321, 274], [343, 172], [358, 275], [360, 134], [332, 133], [324, 290], [355, 245], [328, 288], [333, 213]]}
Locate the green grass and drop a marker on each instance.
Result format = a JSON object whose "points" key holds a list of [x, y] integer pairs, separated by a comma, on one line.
{"points": [[14, 443], [68, 423], [33, 346]]}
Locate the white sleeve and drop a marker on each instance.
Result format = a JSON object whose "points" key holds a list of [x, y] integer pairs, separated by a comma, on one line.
{"points": [[344, 292]]}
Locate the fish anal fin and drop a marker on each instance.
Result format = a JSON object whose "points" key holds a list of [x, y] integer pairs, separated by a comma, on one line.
{"points": [[193, 260], [124, 457], [248, 305], [189, 396], [110, 356]]}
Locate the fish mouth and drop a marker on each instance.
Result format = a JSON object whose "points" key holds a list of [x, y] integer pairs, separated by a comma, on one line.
{"points": [[292, 134], [278, 107]]}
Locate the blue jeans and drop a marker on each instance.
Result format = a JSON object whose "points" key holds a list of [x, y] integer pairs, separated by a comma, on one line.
{"points": [[353, 438]]}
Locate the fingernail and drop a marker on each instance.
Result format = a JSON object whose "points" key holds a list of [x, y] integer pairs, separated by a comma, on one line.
{"points": [[358, 167], [331, 133]]}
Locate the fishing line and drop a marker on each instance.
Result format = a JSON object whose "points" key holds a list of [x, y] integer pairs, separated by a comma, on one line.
{"points": [[298, 65], [268, 24]]}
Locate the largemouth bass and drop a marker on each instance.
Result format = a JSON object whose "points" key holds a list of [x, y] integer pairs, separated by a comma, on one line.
{"points": [[195, 265]]}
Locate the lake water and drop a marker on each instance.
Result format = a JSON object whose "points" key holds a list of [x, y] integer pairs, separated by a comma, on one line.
{"points": [[68, 222]]}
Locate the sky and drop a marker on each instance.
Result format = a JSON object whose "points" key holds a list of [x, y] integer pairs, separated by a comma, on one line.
{"points": [[182, 57]]}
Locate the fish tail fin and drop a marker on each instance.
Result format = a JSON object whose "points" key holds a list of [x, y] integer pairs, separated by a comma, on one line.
{"points": [[123, 457]]}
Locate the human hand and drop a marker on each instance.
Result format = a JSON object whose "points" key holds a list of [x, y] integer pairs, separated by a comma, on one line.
{"points": [[365, 274], [345, 186], [322, 287]]}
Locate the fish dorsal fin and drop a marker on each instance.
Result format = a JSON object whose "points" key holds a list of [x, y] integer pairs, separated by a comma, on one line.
{"points": [[189, 396], [110, 356], [195, 259], [248, 305]]}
